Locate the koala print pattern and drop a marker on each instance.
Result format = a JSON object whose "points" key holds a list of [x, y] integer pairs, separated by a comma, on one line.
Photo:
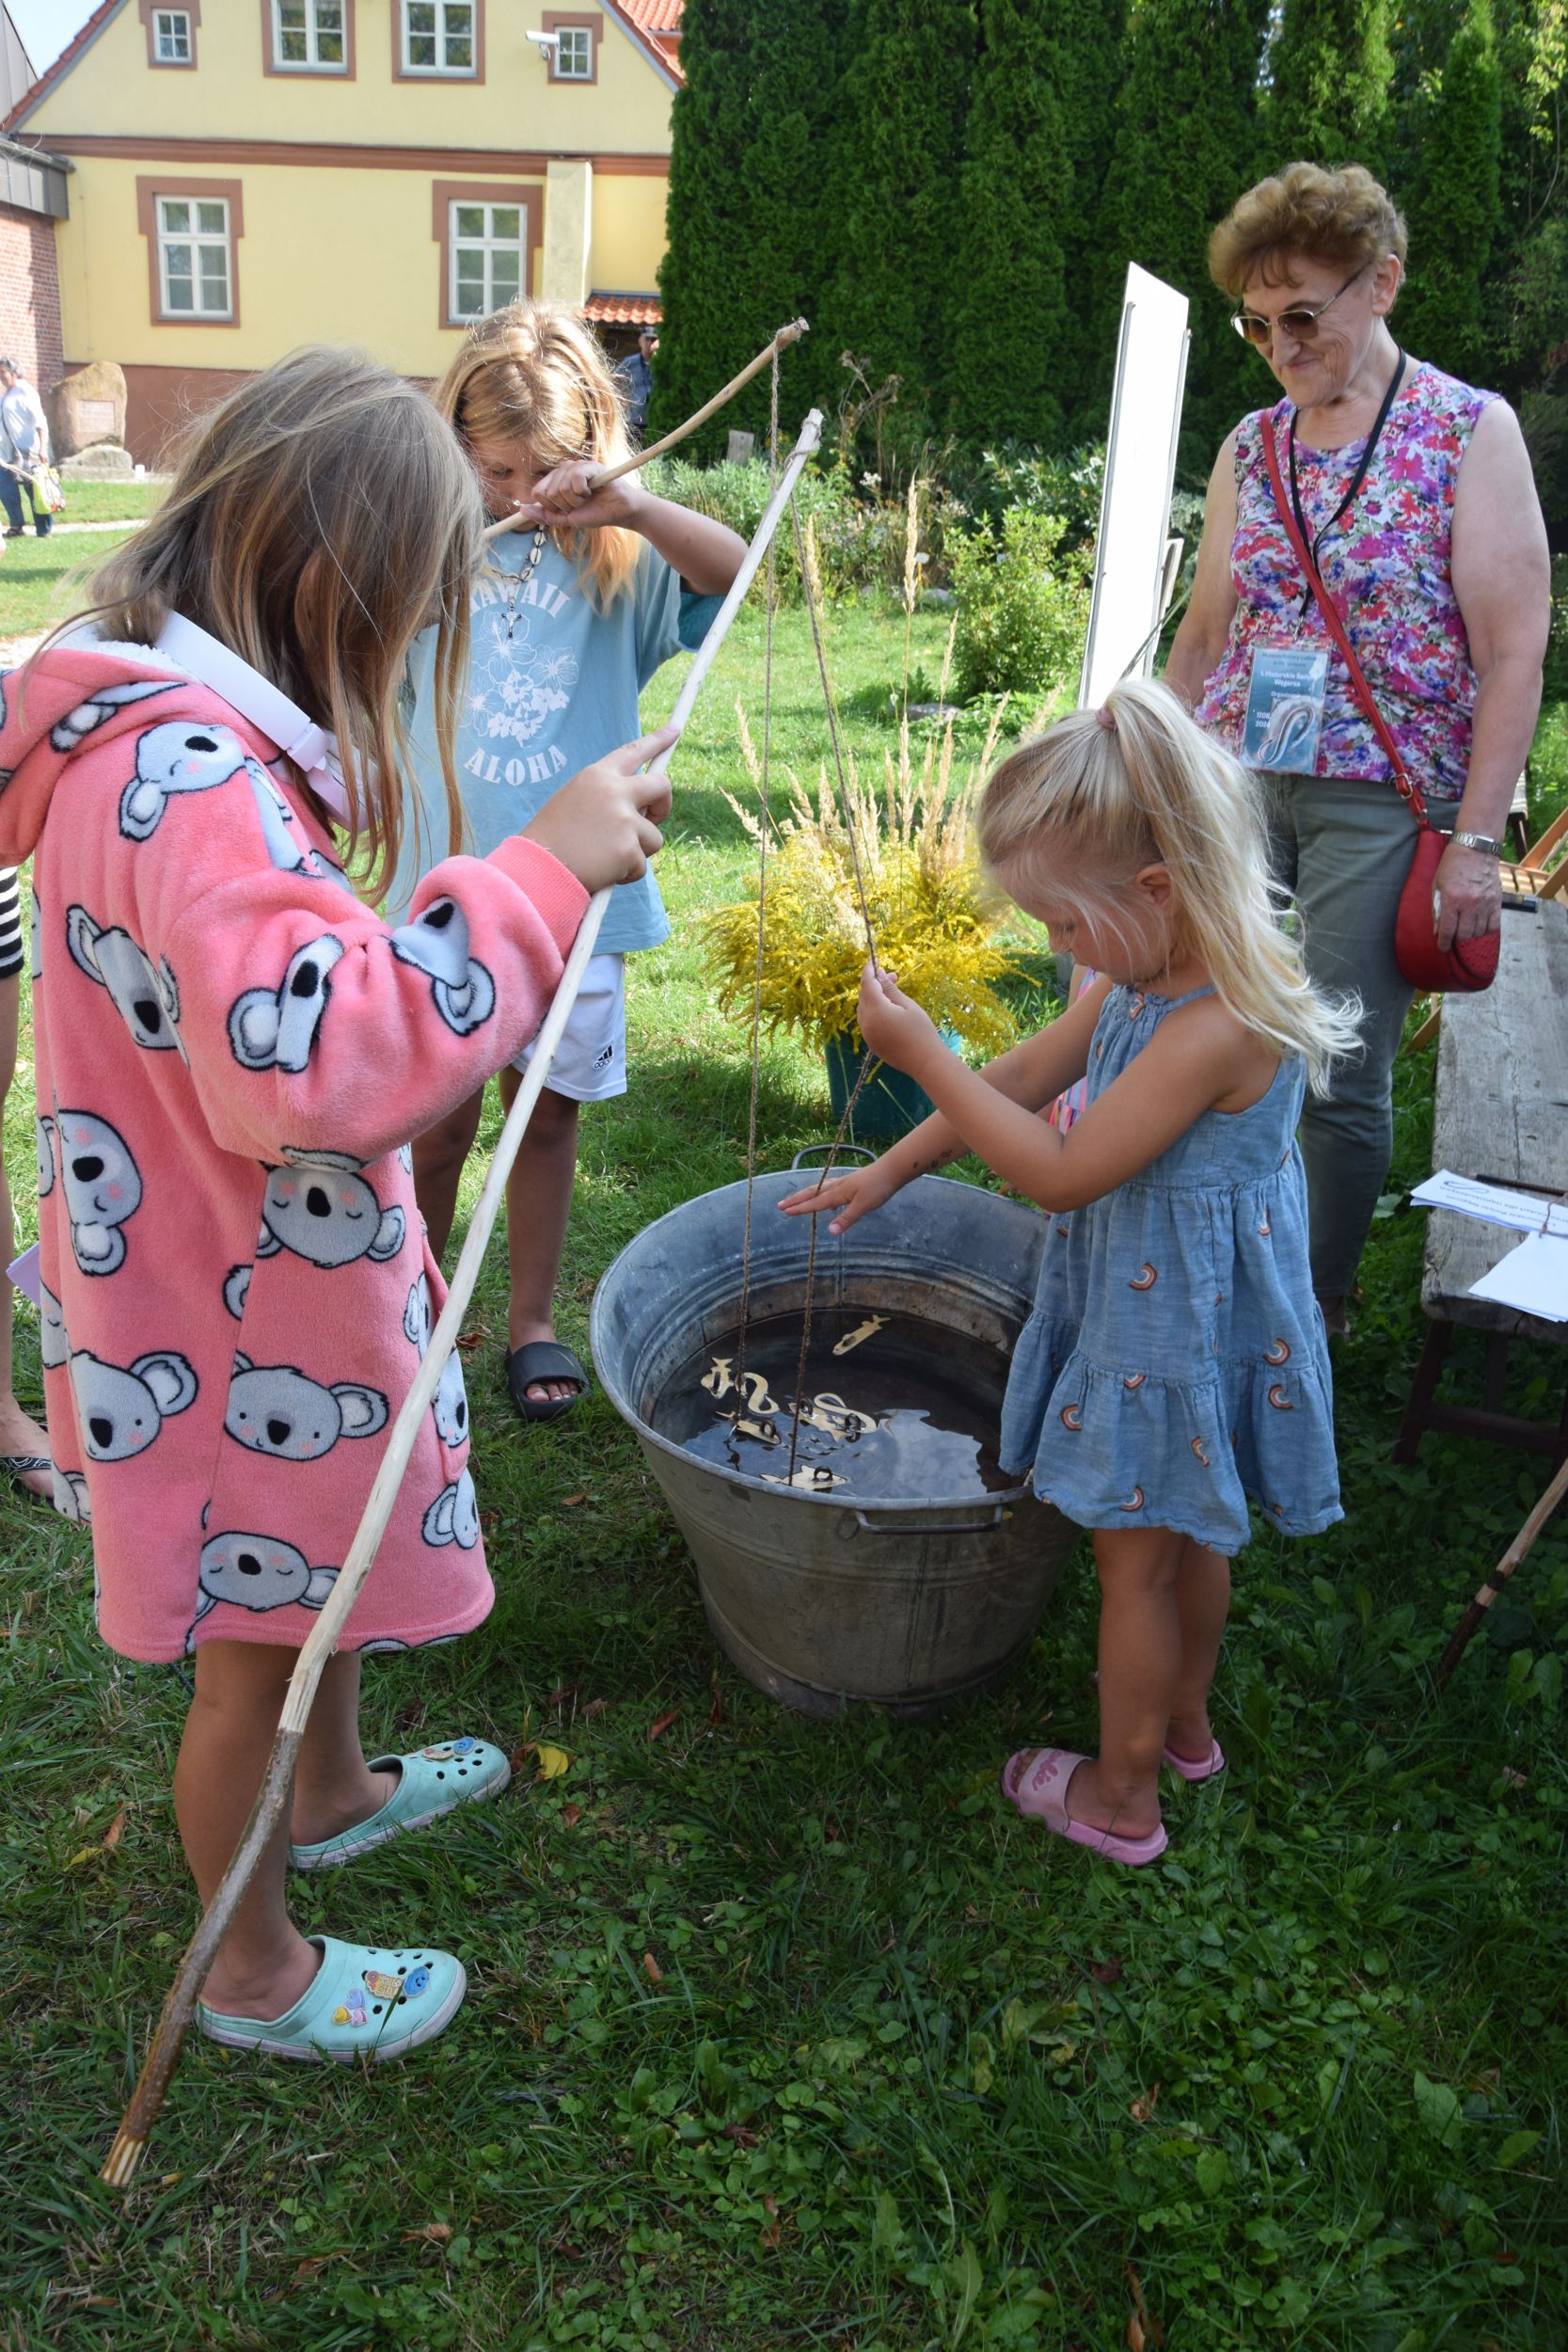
{"points": [[171, 759], [453, 1517], [120, 1412], [329, 1217], [258, 1573], [148, 1001], [275, 1409], [230, 1054], [270, 1030], [103, 1189], [68, 733], [436, 943]]}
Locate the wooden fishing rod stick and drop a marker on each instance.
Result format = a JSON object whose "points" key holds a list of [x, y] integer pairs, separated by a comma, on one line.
{"points": [[785, 336], [179, 2008], [1459, 1639]]}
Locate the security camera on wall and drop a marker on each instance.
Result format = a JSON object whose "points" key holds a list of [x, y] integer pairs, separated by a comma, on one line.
{"points": [[548, 44]]}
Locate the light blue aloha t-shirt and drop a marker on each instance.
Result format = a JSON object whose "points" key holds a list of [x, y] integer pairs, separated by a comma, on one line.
{"points": [[538, 704]]}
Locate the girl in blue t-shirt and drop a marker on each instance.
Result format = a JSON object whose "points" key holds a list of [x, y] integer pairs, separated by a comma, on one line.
{"points": [[578, 605]]}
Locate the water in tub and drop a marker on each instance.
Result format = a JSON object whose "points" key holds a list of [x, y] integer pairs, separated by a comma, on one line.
{"points": [[889, 1405]]}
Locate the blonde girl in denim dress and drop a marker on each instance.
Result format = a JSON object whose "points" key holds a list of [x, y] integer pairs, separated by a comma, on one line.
{"points": [[1175, 1368]]}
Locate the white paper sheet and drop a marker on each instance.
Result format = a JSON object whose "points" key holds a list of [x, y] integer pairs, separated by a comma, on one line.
{"points": [[1533, 1278], [1493, 1204]]}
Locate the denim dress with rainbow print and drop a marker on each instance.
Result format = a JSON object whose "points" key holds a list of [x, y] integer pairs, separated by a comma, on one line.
{"points": [[1175, 1363]]}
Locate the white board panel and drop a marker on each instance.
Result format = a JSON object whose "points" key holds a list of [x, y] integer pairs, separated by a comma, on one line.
{"points": [[1129, 582]]}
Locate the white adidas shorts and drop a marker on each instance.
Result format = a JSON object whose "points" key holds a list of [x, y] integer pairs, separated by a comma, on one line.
{"points": [[589, 1063]]}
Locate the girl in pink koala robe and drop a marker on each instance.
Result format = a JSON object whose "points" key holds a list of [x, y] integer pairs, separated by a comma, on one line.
{"points": [[231, 1053]]}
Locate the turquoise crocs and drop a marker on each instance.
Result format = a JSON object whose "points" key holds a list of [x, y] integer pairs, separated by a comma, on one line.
{"points": [[364, 2003], [432, 1781]]}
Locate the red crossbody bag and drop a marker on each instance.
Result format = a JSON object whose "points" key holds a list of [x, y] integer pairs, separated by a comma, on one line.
{"points": [[1469, 963]]}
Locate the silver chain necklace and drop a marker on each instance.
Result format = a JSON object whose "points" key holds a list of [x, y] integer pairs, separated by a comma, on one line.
{"points": [[529, 565]]}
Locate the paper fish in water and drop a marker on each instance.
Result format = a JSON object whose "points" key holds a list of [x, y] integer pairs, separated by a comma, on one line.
{"points": [[717, 1380], [830, 1414], [816, 1476], [866, 1330]]}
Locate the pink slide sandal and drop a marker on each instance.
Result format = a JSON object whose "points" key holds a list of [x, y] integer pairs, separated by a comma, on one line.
{"points": [[1197, 1768], [1036, 1780]]}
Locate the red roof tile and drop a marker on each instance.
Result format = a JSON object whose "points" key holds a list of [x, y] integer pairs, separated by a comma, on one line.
{"points": [[623, 309], [658, 22]]}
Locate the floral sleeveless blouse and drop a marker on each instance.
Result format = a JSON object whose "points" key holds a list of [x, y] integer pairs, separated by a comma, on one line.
{"points": [[1387, 565]]}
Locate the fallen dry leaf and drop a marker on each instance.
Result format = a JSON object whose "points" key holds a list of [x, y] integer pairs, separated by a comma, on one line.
{"points": [[475, 1336], [562, 1695], [552, 1761], [112, 1835], [1142, 2327], [651, 1969], [437, 2232], [662, 1723], [595, 1707], [1143, 2106], [1107, 1971], [570, 1816], [569, 1503], [741, 2134]]}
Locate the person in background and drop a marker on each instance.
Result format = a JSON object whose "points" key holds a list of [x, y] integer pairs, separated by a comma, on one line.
{"points": [[1416, 493], [23, 447], [637, 376]]}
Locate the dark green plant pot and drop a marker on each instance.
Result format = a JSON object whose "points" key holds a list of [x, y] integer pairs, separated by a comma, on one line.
{"points": [[889, 1105]]}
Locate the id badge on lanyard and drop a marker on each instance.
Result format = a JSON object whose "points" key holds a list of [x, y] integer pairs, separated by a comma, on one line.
{"points": [[1288, 684], [1285, 708]]}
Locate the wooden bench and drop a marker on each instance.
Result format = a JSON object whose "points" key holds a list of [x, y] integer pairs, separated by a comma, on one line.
{"points": [[1502, 1115]]}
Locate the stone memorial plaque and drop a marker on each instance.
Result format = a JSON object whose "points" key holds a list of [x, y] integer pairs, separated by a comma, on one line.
{"points": [[95, 416]]}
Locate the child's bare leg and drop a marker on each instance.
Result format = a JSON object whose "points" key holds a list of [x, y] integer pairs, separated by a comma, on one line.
{"points": [[538, 1204], [19, 1431], [1203, 1604], [1140, 1669], [334, 1787], [439, 1155], [263, 1964]]}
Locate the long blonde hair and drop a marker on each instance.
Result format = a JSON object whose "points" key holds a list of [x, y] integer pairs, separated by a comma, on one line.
{"points": [[535, 373], [316, 516], [1078, 813]]}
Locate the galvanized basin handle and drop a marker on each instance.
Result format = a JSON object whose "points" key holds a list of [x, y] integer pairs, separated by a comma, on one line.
{"points": [[918, 1527], [859, 1150]]}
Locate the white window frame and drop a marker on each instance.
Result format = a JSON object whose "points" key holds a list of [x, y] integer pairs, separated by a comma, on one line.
{"points": [[172, 26], [199, 240], [312, 61], [442, 11], [489, 244], [575, 34]]}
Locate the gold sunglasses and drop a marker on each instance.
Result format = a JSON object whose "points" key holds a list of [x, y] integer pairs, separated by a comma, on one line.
{"points": [[1301, 325]]}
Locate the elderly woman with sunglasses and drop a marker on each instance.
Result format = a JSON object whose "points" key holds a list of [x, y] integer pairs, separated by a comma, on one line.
{"points": [[1414, 492]]}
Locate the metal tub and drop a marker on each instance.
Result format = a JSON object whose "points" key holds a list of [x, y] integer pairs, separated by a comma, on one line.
{"points": [[909, 1602]]}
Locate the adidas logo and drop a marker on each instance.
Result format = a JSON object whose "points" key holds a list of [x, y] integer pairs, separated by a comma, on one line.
{"points": [[603, 1059]]}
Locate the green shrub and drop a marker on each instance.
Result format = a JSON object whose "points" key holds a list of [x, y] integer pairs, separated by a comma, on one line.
{"points": [[1555, 683], [860, 542], [1023, 606]]}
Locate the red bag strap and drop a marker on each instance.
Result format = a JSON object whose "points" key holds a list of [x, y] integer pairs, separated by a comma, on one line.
{"points": [[1404, 783]]}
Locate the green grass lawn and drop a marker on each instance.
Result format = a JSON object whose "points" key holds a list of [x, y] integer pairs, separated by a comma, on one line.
{"points": [[789, 2034]]}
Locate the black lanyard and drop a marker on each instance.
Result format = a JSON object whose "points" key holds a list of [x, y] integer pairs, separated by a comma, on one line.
{"points": [[1357, 478]]}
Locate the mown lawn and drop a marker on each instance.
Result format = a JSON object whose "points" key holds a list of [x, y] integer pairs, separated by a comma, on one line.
{"points": [[785, 2035]]}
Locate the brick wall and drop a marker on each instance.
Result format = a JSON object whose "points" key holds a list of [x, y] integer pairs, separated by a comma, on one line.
{"points": [[30, 296]]}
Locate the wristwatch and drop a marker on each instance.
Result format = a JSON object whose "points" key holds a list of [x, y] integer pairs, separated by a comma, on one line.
{"points": [[1477, 841]]}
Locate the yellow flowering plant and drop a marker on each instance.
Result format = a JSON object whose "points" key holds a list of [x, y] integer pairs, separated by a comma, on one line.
{"points": [[932, 915]]}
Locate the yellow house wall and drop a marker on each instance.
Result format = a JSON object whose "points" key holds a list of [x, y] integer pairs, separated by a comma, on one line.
{"points": [[327, 255], [628, 242], [112, 90]]}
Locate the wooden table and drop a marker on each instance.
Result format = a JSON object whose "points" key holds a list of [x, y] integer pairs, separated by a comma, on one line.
{"points": [[1502, 1115]]}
